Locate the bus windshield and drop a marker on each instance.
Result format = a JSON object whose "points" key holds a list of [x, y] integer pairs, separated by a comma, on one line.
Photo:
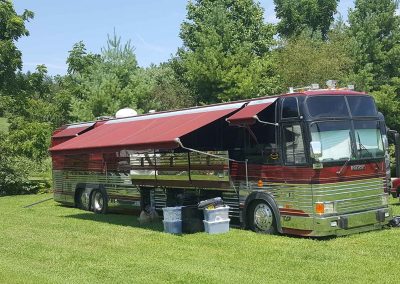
{"points": [[335, 140], [368, 139]]}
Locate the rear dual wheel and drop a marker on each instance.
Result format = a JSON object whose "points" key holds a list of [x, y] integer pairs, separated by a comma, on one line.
{"points": [[99, 201], [95, 201]]}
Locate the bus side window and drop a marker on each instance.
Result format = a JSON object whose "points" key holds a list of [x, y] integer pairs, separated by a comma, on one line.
{"points": [[293, 145], [290, 108]]}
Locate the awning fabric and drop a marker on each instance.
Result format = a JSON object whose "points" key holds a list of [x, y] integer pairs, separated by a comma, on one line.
{"points": [[73, 130], [151, 131], [248, 115]]}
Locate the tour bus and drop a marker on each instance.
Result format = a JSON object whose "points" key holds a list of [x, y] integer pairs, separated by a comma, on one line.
{"points": [[309, 162]]}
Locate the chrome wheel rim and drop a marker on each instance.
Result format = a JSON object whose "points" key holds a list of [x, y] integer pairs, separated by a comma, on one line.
{"points": [[263, 217], [98, 201]]}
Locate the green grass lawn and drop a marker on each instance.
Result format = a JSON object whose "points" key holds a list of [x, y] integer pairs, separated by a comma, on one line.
{"points": [[3, 124], [49, 243]]}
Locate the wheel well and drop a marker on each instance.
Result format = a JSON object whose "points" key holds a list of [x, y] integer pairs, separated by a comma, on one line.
{"points": [[264, 197]]}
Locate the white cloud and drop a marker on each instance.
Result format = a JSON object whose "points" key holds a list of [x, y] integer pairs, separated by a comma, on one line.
{"points": [[150, 46], [49, 65]]}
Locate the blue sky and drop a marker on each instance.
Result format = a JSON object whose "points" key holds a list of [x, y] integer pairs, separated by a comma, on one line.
{"points": [[151, 25]]}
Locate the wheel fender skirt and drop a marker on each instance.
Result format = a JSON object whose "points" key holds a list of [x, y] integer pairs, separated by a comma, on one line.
{"points": [[260, 195]]}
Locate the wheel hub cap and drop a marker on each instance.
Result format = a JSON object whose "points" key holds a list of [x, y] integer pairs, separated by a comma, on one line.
{"points": [[98, 201], [263, 217]]}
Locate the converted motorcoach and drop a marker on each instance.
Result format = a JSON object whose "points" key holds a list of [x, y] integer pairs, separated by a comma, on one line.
{"points": [[308, 163]]}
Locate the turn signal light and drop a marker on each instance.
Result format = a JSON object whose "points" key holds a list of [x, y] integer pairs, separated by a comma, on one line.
{"points": [[260, 183], [319, 208], [327, 207]]}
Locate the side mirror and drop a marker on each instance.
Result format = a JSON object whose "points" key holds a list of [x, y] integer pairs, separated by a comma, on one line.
{"points": [[316, 149]]}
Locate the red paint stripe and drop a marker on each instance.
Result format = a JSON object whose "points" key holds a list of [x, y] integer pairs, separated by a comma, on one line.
{"points": [[296, 232], [293, 212]]}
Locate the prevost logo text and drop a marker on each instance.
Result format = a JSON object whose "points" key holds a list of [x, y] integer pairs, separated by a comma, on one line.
{"points": [[358, 167]]}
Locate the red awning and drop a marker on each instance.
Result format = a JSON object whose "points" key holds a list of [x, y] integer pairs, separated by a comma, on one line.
{"points": [[73, 130], [248, 115], [151, 131]]}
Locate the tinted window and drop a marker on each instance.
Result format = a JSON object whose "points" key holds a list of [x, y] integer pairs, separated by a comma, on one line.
{"points": [[289, 108], [327, 106], [362, 106], [294, 145]]}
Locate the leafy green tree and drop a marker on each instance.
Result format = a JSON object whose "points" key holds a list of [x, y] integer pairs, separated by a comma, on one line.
{"points": [[30, 139], [375, 27], [304, 59], [79, 61], [14, 171], [12, 27], [101, 85], [298, 15], [388, 103], [161, 90], [226, 51]]}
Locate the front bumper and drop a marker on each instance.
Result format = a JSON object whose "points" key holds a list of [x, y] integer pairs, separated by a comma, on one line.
{"points": [[345, 224]]}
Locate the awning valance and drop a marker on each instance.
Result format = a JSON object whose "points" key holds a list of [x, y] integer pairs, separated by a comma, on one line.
{"points": [[248, 115]]}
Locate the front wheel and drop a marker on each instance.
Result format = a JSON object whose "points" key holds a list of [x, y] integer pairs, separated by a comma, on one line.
{"points": [[99, 202], [261, 218]]}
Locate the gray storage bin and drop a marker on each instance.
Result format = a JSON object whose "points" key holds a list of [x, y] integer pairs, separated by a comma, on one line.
{"points": [[217, 214], [216, 227], [174, 227], [172, 213]]}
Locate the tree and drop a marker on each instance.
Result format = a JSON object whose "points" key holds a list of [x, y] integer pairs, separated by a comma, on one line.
{"points": [[161, 90], [79, 61], [388, 103], [102, 84], [296, 16], [12, 27], [375, 27], [226, 51], [304, 59], [14, 171]]}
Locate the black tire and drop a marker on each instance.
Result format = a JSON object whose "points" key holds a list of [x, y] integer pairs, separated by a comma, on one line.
{"points": [[261, 218], [99, 201], [83, 200]]}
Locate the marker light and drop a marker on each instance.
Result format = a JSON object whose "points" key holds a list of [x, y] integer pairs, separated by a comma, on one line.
{"points": [[319, 208], [324, 207], [260, 183], [314, 86]]}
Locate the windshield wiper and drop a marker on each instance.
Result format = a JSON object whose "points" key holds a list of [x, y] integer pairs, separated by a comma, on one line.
{"points": [[362, 147], [339, 173]]}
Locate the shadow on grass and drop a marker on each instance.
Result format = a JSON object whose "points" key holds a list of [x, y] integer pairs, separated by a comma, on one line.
{"points": [[119, 220]]}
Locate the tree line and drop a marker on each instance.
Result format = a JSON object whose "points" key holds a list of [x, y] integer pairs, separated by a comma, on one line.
{"points": [[228, 53]]}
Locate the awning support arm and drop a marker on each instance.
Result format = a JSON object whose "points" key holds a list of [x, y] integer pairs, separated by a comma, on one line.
{"points": [[266, 122]]}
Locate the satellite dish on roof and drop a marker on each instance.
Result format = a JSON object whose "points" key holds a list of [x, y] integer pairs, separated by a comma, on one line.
{"points": [[125, 112]]}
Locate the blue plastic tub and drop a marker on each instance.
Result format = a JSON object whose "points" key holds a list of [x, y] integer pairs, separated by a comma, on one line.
{"points": [[173, 227], [172, 214]]}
